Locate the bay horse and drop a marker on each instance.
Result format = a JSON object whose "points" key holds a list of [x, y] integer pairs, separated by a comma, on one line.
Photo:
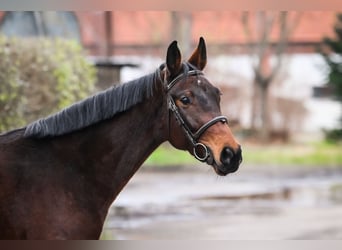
{"points": [[60, 174]]}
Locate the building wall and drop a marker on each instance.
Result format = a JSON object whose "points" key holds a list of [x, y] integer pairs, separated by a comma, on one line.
{"points": [[141, 37], [151, 31]]}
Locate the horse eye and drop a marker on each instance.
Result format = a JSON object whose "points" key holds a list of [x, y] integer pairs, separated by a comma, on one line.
{"points": [[185, 100]]}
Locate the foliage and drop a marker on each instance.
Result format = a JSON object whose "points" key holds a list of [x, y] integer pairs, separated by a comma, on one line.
{"points": [[332, 52], [39, 76], [11, 88], [333, 135]]}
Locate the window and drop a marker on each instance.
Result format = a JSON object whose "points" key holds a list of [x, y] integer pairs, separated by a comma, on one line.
{"points": [[323, 91]]}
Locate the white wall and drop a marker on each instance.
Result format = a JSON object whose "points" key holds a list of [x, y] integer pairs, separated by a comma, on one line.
{"points": [[300, 73]]}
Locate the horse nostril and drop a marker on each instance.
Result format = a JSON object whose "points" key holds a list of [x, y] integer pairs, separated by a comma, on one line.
{"points": [[226, 156]]}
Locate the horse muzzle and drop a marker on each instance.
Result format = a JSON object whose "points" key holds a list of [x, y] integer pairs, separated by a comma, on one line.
{"points": [[229, 162]]}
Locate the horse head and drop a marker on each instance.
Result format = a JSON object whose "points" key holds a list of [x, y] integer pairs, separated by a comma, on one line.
{"points": [[195, 120]]}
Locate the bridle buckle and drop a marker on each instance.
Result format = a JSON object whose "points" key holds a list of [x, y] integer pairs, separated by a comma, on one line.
{"points": [[201, 152]]}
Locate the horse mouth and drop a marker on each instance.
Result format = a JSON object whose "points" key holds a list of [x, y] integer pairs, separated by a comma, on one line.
{"points": [[223, 170]]}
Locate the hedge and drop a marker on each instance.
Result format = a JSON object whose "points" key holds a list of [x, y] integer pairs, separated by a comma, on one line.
{"points": [[39, 76]]}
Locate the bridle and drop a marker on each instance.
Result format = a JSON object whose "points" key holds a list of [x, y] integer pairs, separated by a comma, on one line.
{"points": [[200, 151]]}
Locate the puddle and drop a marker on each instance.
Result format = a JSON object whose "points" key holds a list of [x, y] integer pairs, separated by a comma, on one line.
{"points": [[336, 193], [284, 193]]}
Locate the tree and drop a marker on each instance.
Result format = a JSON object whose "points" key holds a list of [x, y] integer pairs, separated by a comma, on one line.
{"points": [[332, 53], [181, 25], [267, 35]]}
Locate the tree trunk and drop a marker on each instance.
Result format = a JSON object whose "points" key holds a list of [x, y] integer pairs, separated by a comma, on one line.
{"points": [[108, 34], [258, 29], [181, 23], [264, 111], [255, 107]]}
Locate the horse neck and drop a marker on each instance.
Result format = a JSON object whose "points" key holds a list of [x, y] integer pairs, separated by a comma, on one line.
{"points": [[115, 149], [140, 132]]}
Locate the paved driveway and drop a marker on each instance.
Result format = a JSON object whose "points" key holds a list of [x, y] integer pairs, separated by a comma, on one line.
{"points": [[254, 203]]}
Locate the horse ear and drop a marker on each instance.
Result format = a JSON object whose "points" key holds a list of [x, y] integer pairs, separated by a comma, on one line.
{"points": [[173, 59], [199, 56]]}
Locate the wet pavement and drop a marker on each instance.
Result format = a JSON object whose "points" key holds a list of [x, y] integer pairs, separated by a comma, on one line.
{"points": [[254, 203]]}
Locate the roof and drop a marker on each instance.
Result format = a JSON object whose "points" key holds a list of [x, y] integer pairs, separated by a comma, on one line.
{"points": [[151, 27], [154, 28]]}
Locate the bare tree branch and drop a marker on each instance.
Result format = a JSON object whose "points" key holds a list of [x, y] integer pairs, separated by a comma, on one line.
{"points": [[286, 28], [246, 23], [262, 45], [265, 22]]}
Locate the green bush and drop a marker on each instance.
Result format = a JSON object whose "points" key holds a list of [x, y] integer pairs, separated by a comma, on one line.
{"points": [[333, 135], [39, 76]]}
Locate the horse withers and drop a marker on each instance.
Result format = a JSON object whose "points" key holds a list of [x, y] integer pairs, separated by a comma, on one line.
{"points": [[60, 174]]}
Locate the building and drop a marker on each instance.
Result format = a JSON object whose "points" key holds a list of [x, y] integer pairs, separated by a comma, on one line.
{"points": [[141, 38]]}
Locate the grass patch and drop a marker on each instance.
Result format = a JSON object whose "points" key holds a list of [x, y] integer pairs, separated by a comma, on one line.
{"points": [[166, 155], [314, 154]]}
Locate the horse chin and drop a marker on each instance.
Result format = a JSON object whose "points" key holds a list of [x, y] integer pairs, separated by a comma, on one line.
{"points": [[219, 171], [223, 170]]}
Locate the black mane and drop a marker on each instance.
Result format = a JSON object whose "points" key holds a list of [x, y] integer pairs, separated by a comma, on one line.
{"points": [[94, 109]]}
